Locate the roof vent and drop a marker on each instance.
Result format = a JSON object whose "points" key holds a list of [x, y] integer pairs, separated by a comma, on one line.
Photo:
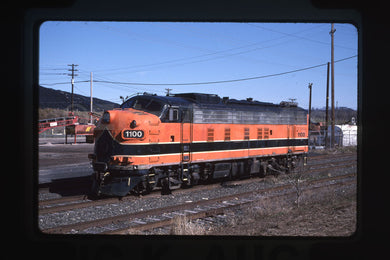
{"points": [[149, 94], [200, 97], [288, 104]]}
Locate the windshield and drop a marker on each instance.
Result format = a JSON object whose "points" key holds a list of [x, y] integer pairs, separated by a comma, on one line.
{"points": [[144, 104]]}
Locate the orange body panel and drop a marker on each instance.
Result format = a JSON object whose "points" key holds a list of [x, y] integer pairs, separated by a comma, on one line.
{"points": [[181, 134]]}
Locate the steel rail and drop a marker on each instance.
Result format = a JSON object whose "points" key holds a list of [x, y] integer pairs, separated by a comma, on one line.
{"points": [[191, 205], [56, 205], [211, 212]]}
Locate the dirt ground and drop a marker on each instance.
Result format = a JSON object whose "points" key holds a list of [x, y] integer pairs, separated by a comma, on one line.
{"points": [[58, 160], [332, 215], [54, 151]]}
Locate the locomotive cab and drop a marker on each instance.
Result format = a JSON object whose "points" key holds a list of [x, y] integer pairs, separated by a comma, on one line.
{"points": [[146, 104], [128, 144], [165, 111]]}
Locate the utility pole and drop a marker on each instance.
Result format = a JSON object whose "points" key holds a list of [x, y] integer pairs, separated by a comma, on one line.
{"points": [[332, 82], [73, 75], [327, 107], [91, 100], [292, 100], [168, 91], [310, 85]]}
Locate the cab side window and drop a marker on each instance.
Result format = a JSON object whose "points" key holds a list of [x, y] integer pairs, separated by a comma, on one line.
{"points": [[128, 104], [173, 115]]}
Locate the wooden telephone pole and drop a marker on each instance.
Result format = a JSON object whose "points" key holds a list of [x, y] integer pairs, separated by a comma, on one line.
{"points": [[168, 91], [91, 101], [327, 107], [72, 75], [310, 85], [332, 83]]}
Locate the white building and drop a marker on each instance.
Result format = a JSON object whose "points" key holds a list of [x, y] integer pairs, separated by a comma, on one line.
{"points": [[349, 134]]}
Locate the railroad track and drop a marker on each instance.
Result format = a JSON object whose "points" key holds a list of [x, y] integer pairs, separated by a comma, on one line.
{"points": [[82, 201], [220, 206], [160, 217], [71, 184], [142, 221], [324, 159]]}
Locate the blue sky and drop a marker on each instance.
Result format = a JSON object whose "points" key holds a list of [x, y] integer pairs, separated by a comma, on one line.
{"points": [[176, 53]]}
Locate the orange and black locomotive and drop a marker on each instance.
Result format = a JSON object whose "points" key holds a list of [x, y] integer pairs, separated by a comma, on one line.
{"points": [[182, 139]]}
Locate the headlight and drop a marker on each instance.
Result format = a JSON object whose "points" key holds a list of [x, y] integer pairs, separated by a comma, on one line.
{"points": [[106, 118]]}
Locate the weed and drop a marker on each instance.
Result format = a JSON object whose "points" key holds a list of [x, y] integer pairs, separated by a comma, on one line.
{"points": [[182, 226]]}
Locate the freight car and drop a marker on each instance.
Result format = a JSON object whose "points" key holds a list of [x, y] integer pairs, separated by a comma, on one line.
{"points": [[182, 139]]}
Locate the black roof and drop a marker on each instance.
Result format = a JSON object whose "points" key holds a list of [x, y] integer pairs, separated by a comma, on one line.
{"points": [[213, 100], [210, 108], [173, 101], [200, 97]]}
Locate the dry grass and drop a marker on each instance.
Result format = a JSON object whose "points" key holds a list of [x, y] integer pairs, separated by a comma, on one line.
{"points": [[250, 220], [328, 211], [46, 113], [338, 150], [182, 226], [329, 214]]}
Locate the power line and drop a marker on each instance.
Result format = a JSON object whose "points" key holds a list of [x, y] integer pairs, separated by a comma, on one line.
{"points": [[201, 56], [50, 69], [119, 85], [63, 83], [221, 56], [221, 81], [299, 37], [199, 83], [210, 54], [52, 73]]}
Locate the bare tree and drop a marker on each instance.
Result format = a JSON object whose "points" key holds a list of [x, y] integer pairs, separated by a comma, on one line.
{"points": [[295, 178]]}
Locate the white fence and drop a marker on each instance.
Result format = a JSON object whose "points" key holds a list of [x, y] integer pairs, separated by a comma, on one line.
{"points": [[349, 134], [345, 135]]}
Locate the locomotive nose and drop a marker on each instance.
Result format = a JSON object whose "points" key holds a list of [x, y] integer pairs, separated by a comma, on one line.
{"points": [[120, 119]]}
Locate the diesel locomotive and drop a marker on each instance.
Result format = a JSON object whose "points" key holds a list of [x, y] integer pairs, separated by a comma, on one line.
{"points": [[182, 139]]}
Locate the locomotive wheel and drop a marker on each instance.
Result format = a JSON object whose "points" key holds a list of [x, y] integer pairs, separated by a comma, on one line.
{"points": [[195, 178], [188, 181], [191, 181], [97, 182], [147, 185], [140, 189], [95, 188], [166, 189], [152, 180]]}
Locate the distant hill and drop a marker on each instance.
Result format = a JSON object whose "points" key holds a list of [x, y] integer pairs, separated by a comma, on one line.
{"points": [[51, 98], [343, 114]]}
